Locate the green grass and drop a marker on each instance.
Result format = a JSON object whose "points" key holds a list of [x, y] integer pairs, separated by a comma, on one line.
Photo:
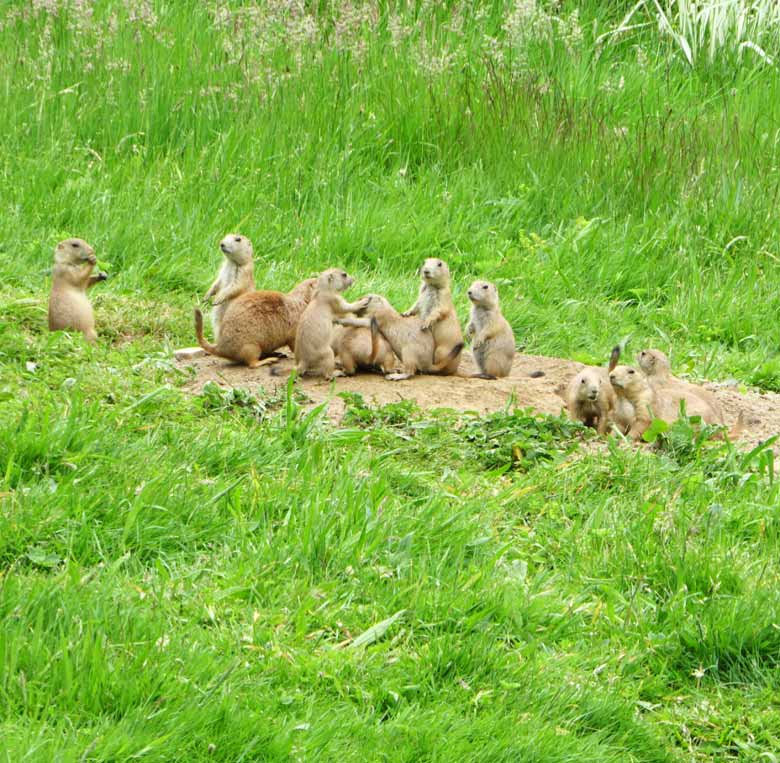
{"points": [[224, 577]]}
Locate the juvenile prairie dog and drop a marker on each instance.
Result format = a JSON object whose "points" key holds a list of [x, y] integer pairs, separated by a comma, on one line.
{"points": [[69, 308], [413, 346], [313, 341], [658, 370], [236, 276], [355, 348], [493, 343], [436, 311], [590, 398], [633, 387], [258, 322]]}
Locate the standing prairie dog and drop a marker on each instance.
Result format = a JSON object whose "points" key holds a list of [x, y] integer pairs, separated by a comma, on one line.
{"points": [[493, 343], [436, 310], [236, 276], [405, 336], [69, 307], [314, 338], [658, 370], [258, 322]]}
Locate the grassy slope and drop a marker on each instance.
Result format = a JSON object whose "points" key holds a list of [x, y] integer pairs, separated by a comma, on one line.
{"points": [[181, 578]]}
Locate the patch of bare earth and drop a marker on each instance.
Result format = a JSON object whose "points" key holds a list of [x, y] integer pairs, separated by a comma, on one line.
{"points": [[463, 393]]}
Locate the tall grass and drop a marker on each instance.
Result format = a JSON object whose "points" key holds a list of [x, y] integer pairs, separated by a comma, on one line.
{"points": [[718, 31]]}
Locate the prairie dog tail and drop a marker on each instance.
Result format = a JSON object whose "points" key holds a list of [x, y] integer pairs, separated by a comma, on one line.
{"points": [[738, 428], [376, 334], [734, 433], [454, 352], [614, 358], [211, 349]]}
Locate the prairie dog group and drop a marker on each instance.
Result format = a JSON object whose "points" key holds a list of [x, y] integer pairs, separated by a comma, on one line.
{"points": [[322, 328], [314, 338], [69, 308], [630, 398], [235, 277], [654, 393], [493, 342], [414, 346]]}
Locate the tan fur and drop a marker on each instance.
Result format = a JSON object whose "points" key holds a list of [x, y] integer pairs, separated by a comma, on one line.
{"points": [[313, 342], [436, 311], [493, 342], [632, 386], [258, 322], [236, 277], [355, 349], [699, 401], [659, 399], [413, 346], [69, 308], [590, 398]]}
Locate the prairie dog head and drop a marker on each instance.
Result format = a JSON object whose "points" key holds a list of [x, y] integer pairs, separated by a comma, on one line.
{"points": [[587, 384], [483, 294], [334, 279], [654, 363], [435, 272], [75, 252], [627, 381], [237, 248], [74, 260]]}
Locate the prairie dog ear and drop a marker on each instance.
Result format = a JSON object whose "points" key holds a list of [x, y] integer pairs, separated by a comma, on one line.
{"points": [[330, 278], [614, 358]]}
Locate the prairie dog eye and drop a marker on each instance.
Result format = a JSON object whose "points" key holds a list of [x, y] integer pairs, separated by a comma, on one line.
{"points": [[485, 286], [440, 263], [238, 238], [74, 244], [630, 370]]}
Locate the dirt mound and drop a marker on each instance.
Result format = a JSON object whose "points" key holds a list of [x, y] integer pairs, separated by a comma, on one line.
{"points": [[461, 393]]}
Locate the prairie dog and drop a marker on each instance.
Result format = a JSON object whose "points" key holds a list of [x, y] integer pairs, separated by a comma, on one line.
{"points": [[69, 308], [236, 276], [493, 342], [314, 338], [405, 336], [590, 398], [258, 322], [658, 370], [436, 310], [633, 387], [355, 348]]}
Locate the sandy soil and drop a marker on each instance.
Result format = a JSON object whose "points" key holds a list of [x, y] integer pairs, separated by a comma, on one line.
{"points": [[762, 410]]}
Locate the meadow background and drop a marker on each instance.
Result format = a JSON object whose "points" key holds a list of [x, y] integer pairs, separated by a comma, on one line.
{"points": [[230, 578]]}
